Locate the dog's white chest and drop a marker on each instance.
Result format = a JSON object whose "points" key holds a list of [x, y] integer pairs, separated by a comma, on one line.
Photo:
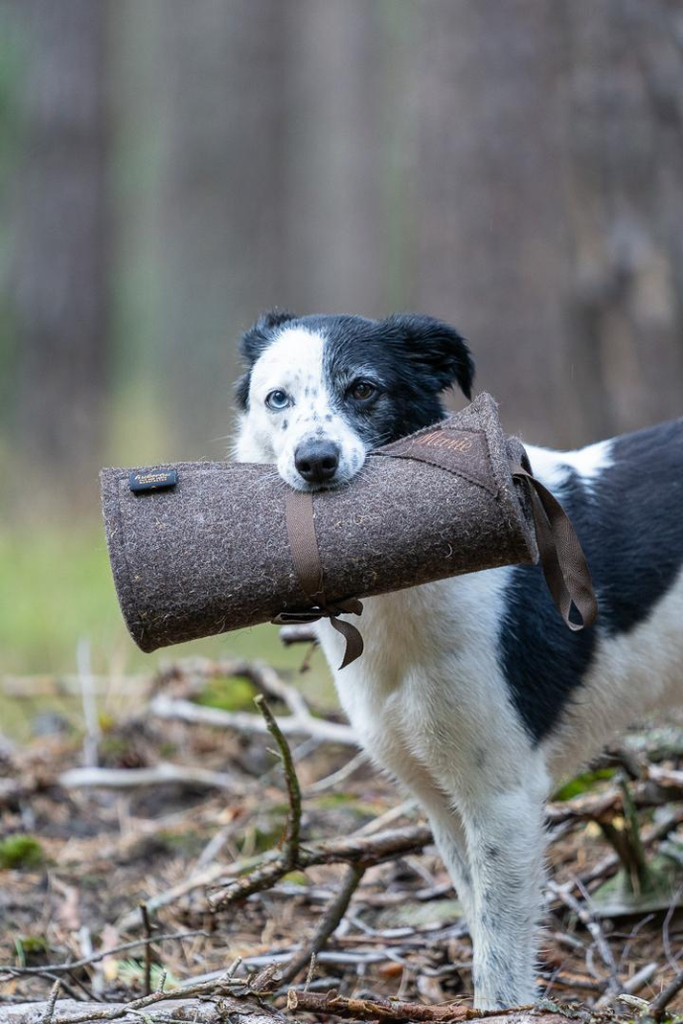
{"points": [[427, 697]]}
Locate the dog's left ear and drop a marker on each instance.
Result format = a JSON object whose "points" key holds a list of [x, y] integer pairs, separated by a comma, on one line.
{"points": [[252, 343], [434, 348]]}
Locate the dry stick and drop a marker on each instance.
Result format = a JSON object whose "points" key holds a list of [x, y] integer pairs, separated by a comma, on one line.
{"points": [[327, 925], [96, 957], [630, 988], [389, 1010], [291, 854], [588, 920], [298, 635], [341, 775], [54, 995], [660, 788], [291, 725], [199, 1011], [219, 987], [660, 1002], [148, 947], [368, 850], [42, 972], [610, 864], [158, 774]]}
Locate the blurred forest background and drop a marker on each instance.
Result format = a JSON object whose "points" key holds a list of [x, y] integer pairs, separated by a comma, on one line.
{"points": [[169, 169]]}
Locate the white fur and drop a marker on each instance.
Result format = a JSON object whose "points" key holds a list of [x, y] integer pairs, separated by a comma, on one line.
{"points": [[631, 674], [430, 702], [554, 467], [430, 705], [294, 363]]}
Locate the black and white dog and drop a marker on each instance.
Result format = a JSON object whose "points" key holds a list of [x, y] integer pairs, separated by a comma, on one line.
{"points": [[481, 698]]}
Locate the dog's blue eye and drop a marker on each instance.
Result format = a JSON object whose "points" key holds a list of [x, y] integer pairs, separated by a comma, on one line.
{"points": [[277, 400]]}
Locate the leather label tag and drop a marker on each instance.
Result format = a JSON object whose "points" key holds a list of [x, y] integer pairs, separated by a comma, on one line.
{"points": [[463, 452], [152, 479]]}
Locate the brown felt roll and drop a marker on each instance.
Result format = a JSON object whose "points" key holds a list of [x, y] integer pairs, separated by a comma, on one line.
{"points": [[212, 551]]}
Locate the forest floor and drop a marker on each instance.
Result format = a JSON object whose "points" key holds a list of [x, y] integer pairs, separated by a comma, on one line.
{"points": [[179, 852]]}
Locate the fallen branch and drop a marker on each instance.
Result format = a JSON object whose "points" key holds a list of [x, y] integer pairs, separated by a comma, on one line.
{"points": [[160, 1008], [158, 774], [328, 923], [300, 724], [660, 788], [355, 849], [396, 1012], [230, 998]]}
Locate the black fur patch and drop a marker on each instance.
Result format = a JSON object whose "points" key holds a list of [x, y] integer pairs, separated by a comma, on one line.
{"points": [[255, 341], [412, 359], [630, 522]]}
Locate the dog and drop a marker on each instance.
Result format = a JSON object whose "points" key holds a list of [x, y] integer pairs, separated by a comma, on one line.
{"points": [[471, 691]]}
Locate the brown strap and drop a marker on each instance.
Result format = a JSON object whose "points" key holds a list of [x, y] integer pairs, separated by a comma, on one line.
{"points": [[306, 558], [303, 543], [564, 563]]}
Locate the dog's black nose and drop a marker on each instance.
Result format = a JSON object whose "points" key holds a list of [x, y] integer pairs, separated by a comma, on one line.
{"points": [[317, 461]]}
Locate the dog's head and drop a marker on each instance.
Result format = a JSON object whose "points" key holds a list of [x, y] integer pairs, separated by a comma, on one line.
{"points": [[319, 392]]}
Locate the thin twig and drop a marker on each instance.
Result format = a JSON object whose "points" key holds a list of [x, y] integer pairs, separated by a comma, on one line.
{"points": [[327, 925], [216, 988], [54, 995], [148, 947], [660, 1002], [158, 774], [634, 984], [93, 733], [341, 775], [291, 855], [593, 926], [96, 957], [366, 850]]}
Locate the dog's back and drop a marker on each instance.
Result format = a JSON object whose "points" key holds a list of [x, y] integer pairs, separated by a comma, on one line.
{"points": [[574, 690]]}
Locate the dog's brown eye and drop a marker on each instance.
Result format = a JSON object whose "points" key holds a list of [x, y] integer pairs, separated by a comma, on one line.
{"points": [[363, 390]]}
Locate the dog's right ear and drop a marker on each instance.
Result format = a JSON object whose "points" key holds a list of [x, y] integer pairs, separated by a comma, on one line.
{"points": [[258, 337], [252, 343]]}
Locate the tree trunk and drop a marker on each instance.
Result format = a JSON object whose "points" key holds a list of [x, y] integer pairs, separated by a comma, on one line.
{"points": [[551, 205], [221, 200], [58, 296]]}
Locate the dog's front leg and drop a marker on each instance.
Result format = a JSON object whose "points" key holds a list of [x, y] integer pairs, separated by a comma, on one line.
{"points": [[449, 837], [505, 839]]}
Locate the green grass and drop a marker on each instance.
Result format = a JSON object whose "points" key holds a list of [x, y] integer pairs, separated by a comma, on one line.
{"points": [[56, 588], [20, 851]]}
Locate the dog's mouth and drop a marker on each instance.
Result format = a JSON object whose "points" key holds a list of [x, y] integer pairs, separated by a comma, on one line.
{"points": [[321, 488], [320, 464]]}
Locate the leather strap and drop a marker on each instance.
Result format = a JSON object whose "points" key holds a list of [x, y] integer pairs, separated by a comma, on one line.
{"points": [[564, 563], [303, 544]]}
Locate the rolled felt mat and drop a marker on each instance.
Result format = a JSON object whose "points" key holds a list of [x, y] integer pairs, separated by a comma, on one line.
{"points": [[201, 548]]}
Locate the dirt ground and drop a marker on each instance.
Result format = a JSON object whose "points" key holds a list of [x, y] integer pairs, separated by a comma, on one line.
{"points": [[79, 864]]}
